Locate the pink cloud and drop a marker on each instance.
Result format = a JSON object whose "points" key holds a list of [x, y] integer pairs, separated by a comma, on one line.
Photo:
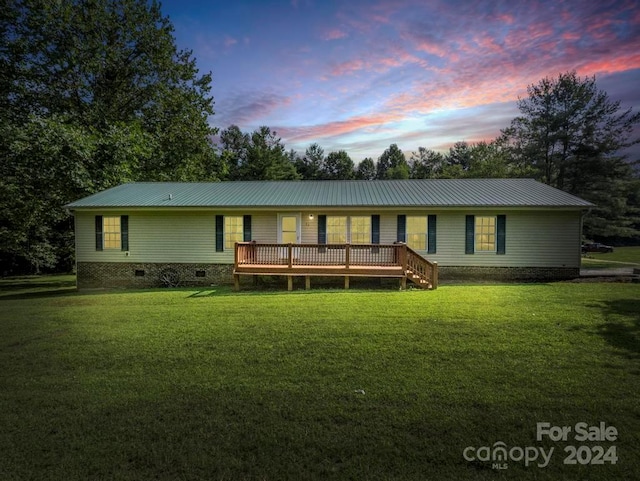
{"points": [[247, 108], [380, 62], [337, 128], [571, 36], [348, 67], [432, 48], [613, 65], [334, 34], [229, 41]]}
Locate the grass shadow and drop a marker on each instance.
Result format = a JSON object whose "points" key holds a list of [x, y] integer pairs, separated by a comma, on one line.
{"points": [[31, 287], [622, 327]]}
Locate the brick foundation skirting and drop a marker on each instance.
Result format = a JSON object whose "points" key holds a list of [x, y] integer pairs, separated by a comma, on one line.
{"points": [[140, 275], [523, 274]]}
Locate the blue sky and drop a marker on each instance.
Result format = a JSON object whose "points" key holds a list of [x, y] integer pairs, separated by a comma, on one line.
{"points": [[360, 75]]}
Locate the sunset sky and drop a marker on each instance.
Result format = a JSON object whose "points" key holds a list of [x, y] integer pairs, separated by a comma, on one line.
{"points": [[360, 75]]}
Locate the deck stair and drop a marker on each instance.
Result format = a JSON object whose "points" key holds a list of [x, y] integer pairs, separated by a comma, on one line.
{"points": [[419, 280], [420, 271]]}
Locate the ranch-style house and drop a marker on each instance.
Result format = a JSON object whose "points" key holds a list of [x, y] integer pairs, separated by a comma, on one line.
{"points": [[419, 231]]}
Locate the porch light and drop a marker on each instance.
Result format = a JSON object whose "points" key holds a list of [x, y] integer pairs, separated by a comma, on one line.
{"points": [[310, 216]]}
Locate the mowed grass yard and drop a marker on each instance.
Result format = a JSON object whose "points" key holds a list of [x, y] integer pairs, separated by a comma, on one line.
{"points": [[191, 384], [620, 257]]}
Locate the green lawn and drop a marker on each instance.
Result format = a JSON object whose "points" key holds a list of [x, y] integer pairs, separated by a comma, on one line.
{"points": [[620, 257], [359, 385]]}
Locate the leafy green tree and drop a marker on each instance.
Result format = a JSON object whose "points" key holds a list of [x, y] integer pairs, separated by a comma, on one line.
{"points": [[43, 168], [338, 166], [571, 134], [310, 166], [235, 145], [266, 158], [426, 164], [366, 169], [107, 79], [392, 164], [460, 156], [493, 160], [566, 123]]}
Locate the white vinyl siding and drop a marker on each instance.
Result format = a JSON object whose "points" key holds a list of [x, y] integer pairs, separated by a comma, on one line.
{"points": [[540, 238], [533, 239]]}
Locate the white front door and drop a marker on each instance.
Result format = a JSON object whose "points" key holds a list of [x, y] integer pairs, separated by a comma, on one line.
{"points": [[288, 228]]}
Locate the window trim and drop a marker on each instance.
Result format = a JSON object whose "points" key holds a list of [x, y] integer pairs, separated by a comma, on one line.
{"points": [[101, 233], [324, 229], [221, 231], [500, 235], [350, 229], [477, 234], [424, 233], [431, 232], [229, 242]]}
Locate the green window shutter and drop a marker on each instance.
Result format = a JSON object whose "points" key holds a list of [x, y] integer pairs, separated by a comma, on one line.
{"points": [[375, 229], [431, 234], [246, 228], [98, 232], [501, 238], [469, 240], [402, 228], [322, 229], [322, 232], [124, 232], [219, 233]]}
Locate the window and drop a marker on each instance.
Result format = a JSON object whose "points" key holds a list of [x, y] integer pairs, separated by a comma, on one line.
{"points": [[417, 233], [112, 232], [233, 231], [361, 230], [336, 230], [112, 238], [485, 234]]}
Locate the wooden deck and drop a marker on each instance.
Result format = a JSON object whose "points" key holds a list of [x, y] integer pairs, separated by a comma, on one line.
{"points": [[344, 260]]}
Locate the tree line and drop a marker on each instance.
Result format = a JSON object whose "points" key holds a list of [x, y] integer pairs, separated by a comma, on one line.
{"points": [[261, 155], [95, 93]]}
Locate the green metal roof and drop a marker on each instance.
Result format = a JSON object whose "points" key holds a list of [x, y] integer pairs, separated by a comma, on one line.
{"points": [[340, 193]]}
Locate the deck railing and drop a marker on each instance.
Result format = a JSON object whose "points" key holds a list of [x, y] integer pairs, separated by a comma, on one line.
{"points": [[303, 259], [421, 267], [346, 255]]}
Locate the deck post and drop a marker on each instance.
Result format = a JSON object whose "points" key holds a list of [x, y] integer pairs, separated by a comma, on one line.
{"points": [[236, 281], [307, 282], [403, 257], [289, 283], [434, 276], [347, 255], [235, 255], [403, 283], [290, 247], [346, 282]]}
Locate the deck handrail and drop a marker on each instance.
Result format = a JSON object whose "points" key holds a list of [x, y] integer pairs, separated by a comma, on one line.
{"points": [[247, 253], [417, 264], [347, 256]]}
